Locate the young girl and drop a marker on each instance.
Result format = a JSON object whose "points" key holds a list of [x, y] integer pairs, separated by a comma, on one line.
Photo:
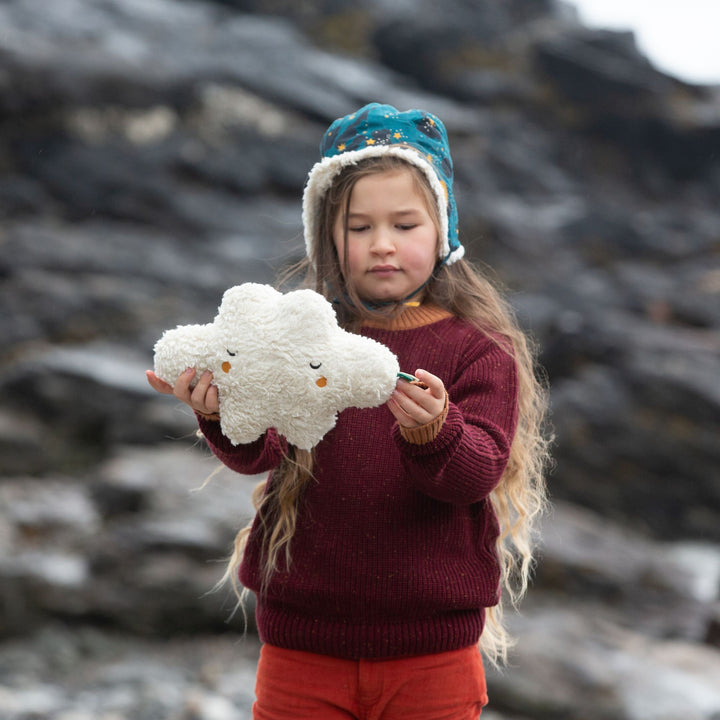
{"points": [[378, 560]]}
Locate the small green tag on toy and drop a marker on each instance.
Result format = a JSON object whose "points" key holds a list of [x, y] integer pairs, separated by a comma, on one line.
{"points": [[407, 377]]}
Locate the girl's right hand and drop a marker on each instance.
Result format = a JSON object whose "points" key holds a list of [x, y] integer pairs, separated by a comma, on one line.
{"points": [[203, 398]]}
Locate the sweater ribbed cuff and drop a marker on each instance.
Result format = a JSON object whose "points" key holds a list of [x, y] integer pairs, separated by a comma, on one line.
{"points": [[428, 432], [211, 417]]}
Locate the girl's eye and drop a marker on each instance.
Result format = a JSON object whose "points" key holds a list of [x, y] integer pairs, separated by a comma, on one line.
{"points": [[315, 365], [357, 228], [407, 227], [231, 354]]}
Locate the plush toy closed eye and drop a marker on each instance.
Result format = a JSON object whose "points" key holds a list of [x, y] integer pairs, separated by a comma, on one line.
{"points": [[279, 360]]}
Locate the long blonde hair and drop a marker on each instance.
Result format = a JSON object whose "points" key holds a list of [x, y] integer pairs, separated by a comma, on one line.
{"points": [[466, 292]]}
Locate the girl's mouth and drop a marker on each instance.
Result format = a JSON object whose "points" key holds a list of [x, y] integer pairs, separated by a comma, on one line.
{"points": [[383, 270]]}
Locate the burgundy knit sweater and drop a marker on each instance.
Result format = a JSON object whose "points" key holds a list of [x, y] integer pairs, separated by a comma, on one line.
{"points": [[394, 551]]}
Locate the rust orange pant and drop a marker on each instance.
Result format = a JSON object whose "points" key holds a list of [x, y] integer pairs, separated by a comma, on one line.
{"points": [[300, 685]]}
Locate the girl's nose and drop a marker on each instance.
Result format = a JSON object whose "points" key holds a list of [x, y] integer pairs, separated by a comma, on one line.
{"points": [[382, 242]]}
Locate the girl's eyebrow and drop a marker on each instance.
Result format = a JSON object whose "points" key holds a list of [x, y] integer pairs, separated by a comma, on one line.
{"points": [[409, 211], [395, 213]]}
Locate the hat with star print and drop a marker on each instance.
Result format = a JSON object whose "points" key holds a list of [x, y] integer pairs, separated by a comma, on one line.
{"points": [[416, 136]]}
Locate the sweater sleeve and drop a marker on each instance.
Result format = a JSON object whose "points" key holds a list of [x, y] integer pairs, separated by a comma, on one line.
{"points": [[253, 458], [465, 460]]}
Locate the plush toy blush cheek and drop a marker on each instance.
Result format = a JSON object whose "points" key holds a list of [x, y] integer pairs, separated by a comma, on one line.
{"points": [[226, 366], [321, 382]]}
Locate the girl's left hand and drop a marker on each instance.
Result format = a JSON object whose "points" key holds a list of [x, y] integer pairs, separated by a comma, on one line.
{"points": [[413, 405]]}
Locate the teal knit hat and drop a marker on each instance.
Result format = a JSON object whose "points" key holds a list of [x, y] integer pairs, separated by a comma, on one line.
{"points": [[416, 136]]}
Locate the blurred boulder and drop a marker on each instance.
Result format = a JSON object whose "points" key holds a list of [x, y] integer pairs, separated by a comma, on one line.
{"points": [[153, 154], [661, 589], [599, 82], [574, 661], [138, 544]]}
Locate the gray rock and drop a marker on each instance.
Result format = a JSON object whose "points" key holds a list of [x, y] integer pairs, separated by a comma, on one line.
{"points": [[576, 661], [603, 71], [85, 674], [665, 590], [637, 425], [147, 565], [126, 53], [154, 154]]}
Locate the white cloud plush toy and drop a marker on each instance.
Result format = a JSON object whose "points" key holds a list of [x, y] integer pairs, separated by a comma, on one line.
{"points": [[279, 360]]}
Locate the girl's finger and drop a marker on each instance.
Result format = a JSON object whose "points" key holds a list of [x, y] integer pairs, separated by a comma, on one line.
{"points": [[201, 388], [429, 393], [212, 401], [157, 384], [421, 403], [407, 411], [181, 389], [204, 393], [434, 383], [399, 414]]}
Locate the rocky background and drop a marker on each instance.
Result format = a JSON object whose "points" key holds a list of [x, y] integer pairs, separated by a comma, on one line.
{"points": [[153, 153]]}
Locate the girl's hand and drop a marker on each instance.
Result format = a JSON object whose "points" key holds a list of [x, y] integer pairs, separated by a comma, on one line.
{"points": [[413, 405], [203, 398]]}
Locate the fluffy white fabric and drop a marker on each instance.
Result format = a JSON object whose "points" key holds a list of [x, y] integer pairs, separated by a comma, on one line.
{"points": [[279, 360]]}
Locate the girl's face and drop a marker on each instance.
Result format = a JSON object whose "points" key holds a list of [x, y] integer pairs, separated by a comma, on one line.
{"points": [[391, 238]]}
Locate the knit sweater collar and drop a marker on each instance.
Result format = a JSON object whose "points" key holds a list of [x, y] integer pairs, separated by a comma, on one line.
{"points": [[411, 317]]}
